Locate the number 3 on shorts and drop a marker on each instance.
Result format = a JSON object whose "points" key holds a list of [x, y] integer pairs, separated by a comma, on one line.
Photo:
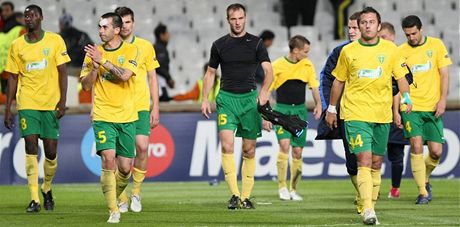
{"points": [[222, 119], [101, 136]]}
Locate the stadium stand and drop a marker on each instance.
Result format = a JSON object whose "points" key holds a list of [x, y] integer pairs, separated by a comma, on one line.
{"points": [[195, 24]]}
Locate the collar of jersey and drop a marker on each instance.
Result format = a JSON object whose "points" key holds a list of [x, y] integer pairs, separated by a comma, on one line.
{"points": [[41, 37], [109, 50], [426, 39], [369, 45], [134, 38]]}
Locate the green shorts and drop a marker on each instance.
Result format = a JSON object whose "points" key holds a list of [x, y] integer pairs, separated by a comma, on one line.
{"points": [[117, 136], [423, 124], [366, 136], [39, 122], [299, 110], [143, 123], [239, 112]]}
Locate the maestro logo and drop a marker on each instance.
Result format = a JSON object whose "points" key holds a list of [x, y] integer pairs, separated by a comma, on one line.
{"points": [[160, 152], [88, 153]]}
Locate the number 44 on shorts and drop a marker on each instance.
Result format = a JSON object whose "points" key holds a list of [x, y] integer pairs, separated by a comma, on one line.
{"points": [[356, 141]]}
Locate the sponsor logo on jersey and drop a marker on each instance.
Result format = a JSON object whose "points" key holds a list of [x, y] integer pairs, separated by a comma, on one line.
{"points": [[370, 73], [39, 65]]}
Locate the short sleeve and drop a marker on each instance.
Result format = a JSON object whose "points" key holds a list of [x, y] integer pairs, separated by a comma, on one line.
{"points": [[61, 52], [443, 58], [214, 59], [151, 61], [399, 67], [341, 71], [132, 62], [86, 67], [261, 52], [12, 64]]}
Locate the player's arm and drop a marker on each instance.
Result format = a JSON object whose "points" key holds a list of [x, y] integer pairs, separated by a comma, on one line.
{"points": [[60, 107], [89, 73], [441, 105], [96, 55], [208, 82], [331, 114], [403, 87], [318, 107], [264, 91], [395, 108], [155, 112], [10, 94]]}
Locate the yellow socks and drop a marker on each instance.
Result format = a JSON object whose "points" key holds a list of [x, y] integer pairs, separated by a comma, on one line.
{"points": [[108, 184], [281, 164], [430, 165], [122, 181], [32, 176], [50, 167], [138, 178], [296, 173], [354, 181], [229, 167], [376, 181], [418, 171], [364, 179], [247, 174]]}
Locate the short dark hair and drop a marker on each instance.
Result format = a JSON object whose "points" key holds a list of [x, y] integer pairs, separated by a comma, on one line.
{"points": [[36, 8], [298, 42], [8, 3], [117, 22], [124, 11], [369, 9], [411, 21], [159, 30], [354, 16], [388, 26], [267, 35], [235, 6]]}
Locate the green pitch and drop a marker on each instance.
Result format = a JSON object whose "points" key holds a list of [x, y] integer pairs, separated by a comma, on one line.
{"points": [[326, 203]]}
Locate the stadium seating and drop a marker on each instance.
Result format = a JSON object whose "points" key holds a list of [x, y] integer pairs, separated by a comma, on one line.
{"points": [[194, 25]]}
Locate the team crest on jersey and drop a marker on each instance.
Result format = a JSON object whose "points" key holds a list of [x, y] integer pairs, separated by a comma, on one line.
{"points": [[46, 51], [121, 60], [381, 58], [429, 53]]}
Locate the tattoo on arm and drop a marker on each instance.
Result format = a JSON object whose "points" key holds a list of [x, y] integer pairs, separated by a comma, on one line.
{"points": [[115, 70]]}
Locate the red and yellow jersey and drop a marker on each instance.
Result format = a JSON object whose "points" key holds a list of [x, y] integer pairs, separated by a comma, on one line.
{"points": [[36, 66], [425, 61], [284, 70], [147, 62], [114, 100], [367, 71]]}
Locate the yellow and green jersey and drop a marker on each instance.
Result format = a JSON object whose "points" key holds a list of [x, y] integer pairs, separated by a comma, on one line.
{"points": [[113, 99], [425, 61], [367, 71], [147, 62], [284, 70], [36, 66]]}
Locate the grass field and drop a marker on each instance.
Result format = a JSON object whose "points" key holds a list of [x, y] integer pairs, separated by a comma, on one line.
{"points": [[327, 203]]}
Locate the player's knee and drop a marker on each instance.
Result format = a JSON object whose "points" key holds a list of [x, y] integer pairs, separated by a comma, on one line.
{"points": [[435, 154], [51, 155], [124, 169], [249, 153], [141, 152], [417, 148], [227, 148]]}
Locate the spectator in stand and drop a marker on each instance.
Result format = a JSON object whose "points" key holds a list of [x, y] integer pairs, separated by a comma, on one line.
{"points": [[164, 78], [292, 9]]}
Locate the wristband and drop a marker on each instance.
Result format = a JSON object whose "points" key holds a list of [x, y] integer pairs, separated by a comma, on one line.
{"points": [[406, 98], [331, 109], [103, 61]]}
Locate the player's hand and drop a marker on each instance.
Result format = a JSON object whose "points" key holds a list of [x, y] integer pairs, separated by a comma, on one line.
{"points": [[262, 99], [317, 111], [331, 120], [267, 125], [60, 110], [171, 83], [154, 118], [397, 120], [440, 108], [8, 120], [94, 53], [408, 108], [205, 108]]}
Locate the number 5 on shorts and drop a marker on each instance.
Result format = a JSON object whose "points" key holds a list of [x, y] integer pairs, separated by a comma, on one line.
{"points": [[222, 119], [101, 136]]}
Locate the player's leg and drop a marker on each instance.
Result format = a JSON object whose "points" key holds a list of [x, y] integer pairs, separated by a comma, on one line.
{"points": [[296, 172], [413, 129], [434, 134], [248, 169], [29, 121], [282, 165], [105, 135], [379, 148], [125, 152], [396, 156], [229, 167], [50, 135]]}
